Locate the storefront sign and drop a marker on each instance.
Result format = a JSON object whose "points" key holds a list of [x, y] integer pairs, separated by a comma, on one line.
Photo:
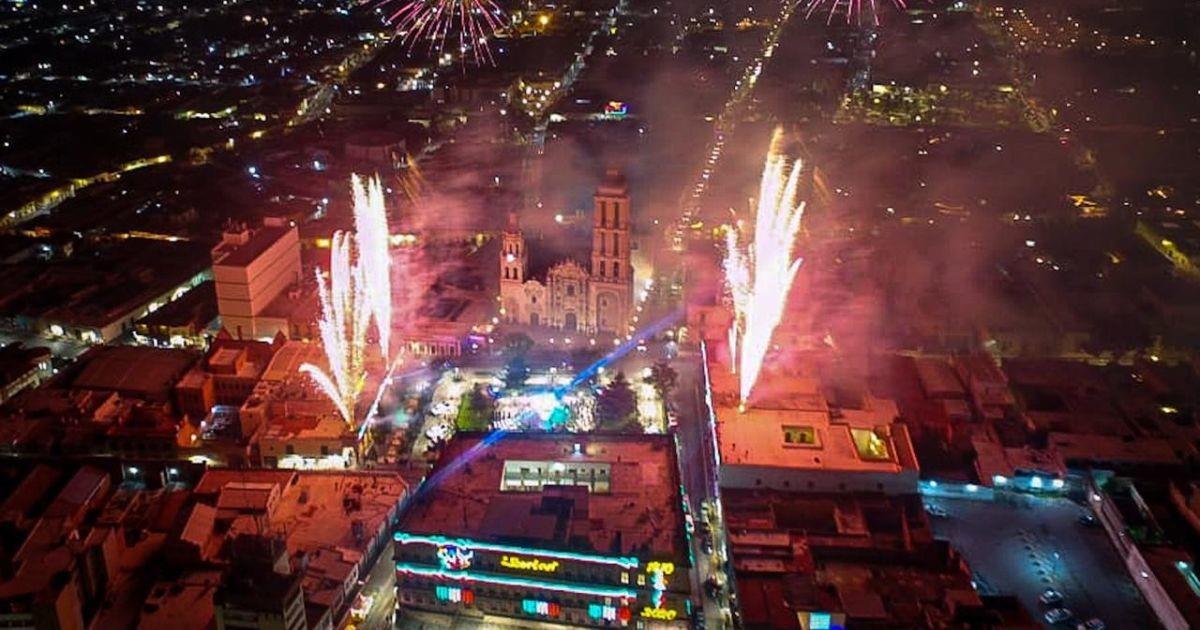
{"points": [[529, 564]]}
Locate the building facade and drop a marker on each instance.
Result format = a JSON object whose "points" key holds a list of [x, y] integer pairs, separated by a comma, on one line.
{"points": [[252, 268], [570, 296], [547, 531]]}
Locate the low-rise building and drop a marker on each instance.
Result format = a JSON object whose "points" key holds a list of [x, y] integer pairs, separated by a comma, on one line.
{"points": [[800, 433], [531, 529], [22, 367]]}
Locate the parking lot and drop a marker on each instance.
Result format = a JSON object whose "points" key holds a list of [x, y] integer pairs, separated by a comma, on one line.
{"points": [[1024, 545]]}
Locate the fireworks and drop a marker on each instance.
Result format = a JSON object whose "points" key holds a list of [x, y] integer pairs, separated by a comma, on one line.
{"points": [[472, 22], [371, 235], [345, 315], [357, 289], [853, 9], [760, 273]]}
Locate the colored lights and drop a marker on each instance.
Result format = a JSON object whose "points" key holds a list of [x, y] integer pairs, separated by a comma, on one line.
{"points": [[463, 543], [658, 582], [454, 558], [616, 109], [454, 594], [508, 580], [604, 612], [541, 608], [662, 614]]}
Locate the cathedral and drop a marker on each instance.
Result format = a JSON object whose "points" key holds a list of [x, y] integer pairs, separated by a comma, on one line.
{"points": [[567, 294]]}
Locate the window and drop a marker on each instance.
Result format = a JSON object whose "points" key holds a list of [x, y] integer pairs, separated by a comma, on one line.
{"points": [[616, 269], [570, 290], [799, 436], [603, 213], [869, 445], [291, 450]]}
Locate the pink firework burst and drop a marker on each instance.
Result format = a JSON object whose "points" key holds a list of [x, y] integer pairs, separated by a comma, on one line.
{"points": [[852, 9], [470, 22]]}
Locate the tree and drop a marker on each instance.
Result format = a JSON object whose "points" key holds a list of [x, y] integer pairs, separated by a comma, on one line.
{"points": [[474, 411], [663, 377], [616, 405], [515, 372], [517, 344]]}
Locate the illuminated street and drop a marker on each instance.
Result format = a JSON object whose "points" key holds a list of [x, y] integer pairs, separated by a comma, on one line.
{"points": [[1026, 547], [653, 314]]}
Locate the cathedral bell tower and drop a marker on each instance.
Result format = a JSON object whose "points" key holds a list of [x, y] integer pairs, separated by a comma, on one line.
{"points": [[514, 261], [513, 257], [612, 273]]}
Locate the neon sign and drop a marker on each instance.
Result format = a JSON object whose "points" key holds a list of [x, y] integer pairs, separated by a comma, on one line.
{"points": [[664, 614], [454, 557], [515, 581], [405, 538], [658, 582], [666, 568], [616, 109], [528, 564]]}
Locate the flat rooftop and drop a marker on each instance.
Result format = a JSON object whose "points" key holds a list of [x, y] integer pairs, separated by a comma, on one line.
{"points": [[240, 255], [612, 495], [311, 511], [792, 422], [134, 370], [197, 309]]}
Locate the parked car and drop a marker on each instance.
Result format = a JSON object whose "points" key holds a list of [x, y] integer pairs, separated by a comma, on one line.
{"points": [[1091, 624], [1057, 616], [1050, 597]]}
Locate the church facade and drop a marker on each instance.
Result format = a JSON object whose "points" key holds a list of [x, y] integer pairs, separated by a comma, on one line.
{"points": [[571, 296]]}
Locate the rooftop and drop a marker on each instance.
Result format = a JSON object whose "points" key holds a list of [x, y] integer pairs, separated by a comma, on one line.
{"points": [[797, 418], [240, 248], [611, 495], [314, 509], [142, 372]]}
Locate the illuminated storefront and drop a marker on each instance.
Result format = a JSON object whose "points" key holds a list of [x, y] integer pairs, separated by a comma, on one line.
{"points": [[471, 577]]}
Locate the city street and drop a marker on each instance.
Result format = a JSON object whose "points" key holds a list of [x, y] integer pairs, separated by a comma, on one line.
{"points": [[1026, 545], [694, 437], [380, 584]]}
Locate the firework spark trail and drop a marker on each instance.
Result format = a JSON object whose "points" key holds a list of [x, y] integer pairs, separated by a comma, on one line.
{"points": [[853, 9], [475, 21], [760, 277], [371, 235], [345, 315], [737, 277]]}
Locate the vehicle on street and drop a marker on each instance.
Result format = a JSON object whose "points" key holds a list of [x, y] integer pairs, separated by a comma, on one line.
{"points": [[1091, 624], [1050, 597], [1057, 616]]}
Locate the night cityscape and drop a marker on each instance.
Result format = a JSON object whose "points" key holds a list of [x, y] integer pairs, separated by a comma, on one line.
{"points": [[711, 314]]}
